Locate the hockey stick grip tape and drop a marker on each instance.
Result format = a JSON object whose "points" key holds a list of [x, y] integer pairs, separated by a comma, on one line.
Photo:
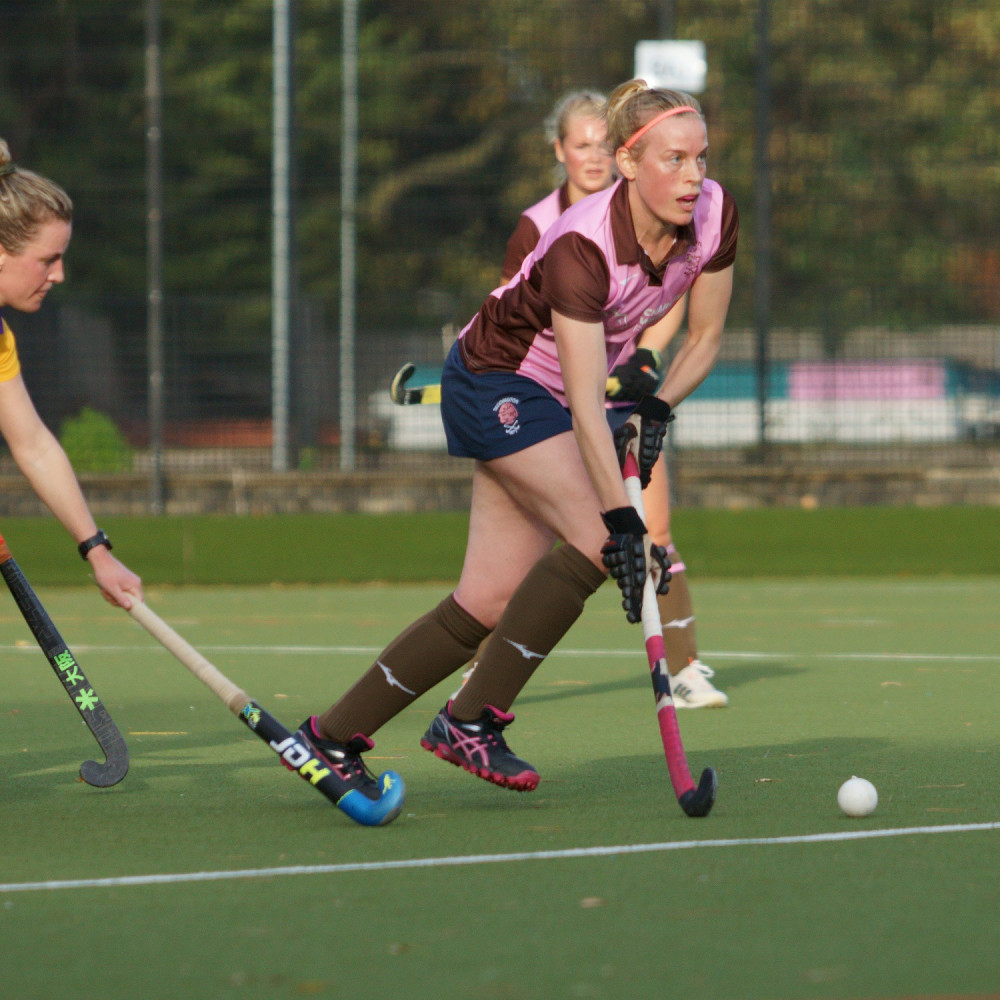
{"points": [[652, 629], [217, 682], [666, 716]]}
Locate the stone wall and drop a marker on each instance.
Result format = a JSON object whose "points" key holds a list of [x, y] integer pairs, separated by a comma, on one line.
{"points": [[779, 481]]}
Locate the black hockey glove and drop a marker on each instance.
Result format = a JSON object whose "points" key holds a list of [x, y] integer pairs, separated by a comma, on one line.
{"points": [[662, 560], [654, 415], [625, 558], [638, 377]]}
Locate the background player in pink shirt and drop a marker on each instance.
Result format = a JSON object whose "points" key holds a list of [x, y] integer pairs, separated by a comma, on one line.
{"points": [[35, 228], [523, 393], [578, 133]]}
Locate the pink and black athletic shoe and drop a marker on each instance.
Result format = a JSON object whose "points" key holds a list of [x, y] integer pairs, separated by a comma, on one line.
{"points": [[480, 748]]}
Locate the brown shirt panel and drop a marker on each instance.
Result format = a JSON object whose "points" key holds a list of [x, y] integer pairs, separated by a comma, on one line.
{"points": [[522, 241]]}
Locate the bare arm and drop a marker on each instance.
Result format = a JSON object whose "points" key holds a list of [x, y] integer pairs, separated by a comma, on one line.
{"points": [[583, 359], [44, 463], [707, 309]]}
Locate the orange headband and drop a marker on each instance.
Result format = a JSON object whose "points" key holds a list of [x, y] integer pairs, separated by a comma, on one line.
{"points": [[655, 120]]}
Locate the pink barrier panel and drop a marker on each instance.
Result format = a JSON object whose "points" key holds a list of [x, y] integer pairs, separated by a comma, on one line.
{"points": [[866, 380]]}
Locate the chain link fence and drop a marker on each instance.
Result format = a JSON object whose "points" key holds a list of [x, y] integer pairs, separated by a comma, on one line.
{"points": [[883, 339], [886, 393]]}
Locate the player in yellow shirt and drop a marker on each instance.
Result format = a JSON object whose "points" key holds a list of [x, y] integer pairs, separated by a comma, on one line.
{"points": [[36, 222]]}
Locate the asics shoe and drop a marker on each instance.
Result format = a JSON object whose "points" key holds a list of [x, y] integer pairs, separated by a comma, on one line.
{"points": [[480, 748], [692, 688]]}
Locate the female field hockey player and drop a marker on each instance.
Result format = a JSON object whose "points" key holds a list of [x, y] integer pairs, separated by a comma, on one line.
{"points": [[578, 133], [523, 394], [35, 228]]}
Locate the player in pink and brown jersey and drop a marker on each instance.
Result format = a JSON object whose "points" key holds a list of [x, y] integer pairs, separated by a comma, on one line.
{"points": [[578, 133], [523, 394]]}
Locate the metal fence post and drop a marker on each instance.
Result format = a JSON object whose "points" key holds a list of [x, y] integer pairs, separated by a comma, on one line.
{"points": [[348, 235]]}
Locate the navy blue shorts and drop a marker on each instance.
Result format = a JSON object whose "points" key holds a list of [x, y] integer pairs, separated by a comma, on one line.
{"points": [[617, 415], [495, 413]]}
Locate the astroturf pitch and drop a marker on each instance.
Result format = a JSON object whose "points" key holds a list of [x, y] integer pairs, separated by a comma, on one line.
{"points": [[211, 872]]}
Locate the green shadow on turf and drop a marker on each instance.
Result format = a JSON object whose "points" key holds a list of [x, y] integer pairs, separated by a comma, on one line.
{"points": [[726, 679]]}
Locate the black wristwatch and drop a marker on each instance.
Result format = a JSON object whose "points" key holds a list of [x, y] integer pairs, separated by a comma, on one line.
{"points": [[91, 543]]}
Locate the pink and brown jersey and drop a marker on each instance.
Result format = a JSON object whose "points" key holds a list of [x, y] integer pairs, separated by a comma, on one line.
{"points": [[533, 222], [589, 266]]}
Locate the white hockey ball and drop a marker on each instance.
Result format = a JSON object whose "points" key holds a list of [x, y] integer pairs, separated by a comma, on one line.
{"points": [[857, 797]]}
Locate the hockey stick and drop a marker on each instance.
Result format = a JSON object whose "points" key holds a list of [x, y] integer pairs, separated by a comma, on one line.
{"points": [[404, 395], [421, 394], [695, 801], [415, 394], [90, 707], [294, 755]]}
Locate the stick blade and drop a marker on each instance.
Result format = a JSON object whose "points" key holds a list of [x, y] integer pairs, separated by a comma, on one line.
{"points": [[398, 391], [380, 811], [109, 736], [107, 774], [699, 801]]}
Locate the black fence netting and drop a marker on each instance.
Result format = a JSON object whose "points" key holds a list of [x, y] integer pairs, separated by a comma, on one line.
{"points": [[860, 142]]}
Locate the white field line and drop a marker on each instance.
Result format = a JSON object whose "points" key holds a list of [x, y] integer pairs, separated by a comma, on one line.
{"points": [[487, 859], [718, 654]]}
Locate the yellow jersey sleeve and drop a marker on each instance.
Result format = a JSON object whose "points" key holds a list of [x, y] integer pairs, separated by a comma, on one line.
{"points": [[10, 366]]}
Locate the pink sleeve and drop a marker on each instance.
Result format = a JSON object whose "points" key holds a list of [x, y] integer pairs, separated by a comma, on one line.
{"points": [[726, 253]]}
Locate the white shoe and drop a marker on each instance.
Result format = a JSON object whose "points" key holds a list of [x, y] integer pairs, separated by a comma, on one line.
{"points": [[691, 688]]}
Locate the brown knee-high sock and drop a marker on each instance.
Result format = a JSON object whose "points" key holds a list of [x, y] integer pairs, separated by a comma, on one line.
{"points": [[479, 652], [544, 606], [418, 658], [677, 618]]}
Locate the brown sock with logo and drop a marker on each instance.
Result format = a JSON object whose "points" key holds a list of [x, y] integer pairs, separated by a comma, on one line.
{"points": [[541, 612], [418, 658], [677, 619]]}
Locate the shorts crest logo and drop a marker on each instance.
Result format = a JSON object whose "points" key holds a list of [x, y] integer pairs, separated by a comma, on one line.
{"points": [[506, 411]]}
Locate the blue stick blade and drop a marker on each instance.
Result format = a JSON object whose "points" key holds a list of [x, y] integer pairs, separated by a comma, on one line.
{"points": [[380, 811]]}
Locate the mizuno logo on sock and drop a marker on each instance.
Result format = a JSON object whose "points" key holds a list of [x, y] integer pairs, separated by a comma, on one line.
{"points": [[391, 679], [679, 622], [524, 651]]}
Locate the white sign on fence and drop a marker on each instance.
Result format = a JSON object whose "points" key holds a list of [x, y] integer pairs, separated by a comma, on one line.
{"points": [[674, 64]]}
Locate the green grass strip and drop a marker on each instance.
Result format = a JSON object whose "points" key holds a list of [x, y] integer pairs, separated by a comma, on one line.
{"points": [[351, 548]]}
